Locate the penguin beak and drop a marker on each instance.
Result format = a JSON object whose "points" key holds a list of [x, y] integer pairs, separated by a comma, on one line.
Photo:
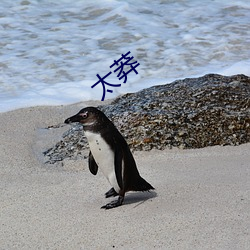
{"points": [[74, 118]]}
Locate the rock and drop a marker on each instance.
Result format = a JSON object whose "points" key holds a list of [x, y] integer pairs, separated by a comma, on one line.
{"points": [[190, 113]]}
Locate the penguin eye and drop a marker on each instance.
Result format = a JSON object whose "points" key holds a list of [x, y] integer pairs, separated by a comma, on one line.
{"points": [[84, 115]]}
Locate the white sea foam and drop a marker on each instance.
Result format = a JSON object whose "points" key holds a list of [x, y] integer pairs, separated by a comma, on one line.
{"points": [[51, 51]]}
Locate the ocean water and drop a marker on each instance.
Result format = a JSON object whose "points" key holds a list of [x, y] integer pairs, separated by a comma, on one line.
{"points": [[52, 51]]}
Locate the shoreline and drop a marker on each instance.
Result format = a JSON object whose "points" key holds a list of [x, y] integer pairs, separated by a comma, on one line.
{"points": [[201, 198]]}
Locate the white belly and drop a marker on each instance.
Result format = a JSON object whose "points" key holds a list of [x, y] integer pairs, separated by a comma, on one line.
{"points": [[104, 157]]}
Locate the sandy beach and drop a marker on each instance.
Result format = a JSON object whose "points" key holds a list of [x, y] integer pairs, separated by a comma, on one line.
{"points": [[201, 198]]}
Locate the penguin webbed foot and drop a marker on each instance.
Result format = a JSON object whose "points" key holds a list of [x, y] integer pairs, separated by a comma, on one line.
{"points": [[115, 203], [111, 193]]}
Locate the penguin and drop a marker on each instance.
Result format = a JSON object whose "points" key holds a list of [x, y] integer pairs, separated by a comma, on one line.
{"points": [[110, 152]]}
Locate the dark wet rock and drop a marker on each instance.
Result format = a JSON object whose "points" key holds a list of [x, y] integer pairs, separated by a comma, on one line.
{"points": [[190, 113]]}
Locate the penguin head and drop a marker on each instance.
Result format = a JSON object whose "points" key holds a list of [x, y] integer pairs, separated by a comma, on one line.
{"points": [[88, 117]]}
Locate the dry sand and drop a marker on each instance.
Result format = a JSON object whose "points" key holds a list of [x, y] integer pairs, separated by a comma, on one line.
{"points": [[201, 201]]}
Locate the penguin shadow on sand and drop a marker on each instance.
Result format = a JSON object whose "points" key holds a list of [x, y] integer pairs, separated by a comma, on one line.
{"points": [[138, 198]]}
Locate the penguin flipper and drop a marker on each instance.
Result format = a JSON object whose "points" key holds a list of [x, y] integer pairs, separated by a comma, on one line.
{"points": [[93, 167], [118, 166]]}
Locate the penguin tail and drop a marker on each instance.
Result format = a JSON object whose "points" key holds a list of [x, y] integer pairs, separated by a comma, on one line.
{"points": [[141, 185]]}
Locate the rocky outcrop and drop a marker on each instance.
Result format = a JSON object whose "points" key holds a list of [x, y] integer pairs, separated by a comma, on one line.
{"points": [[190, 113]]}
